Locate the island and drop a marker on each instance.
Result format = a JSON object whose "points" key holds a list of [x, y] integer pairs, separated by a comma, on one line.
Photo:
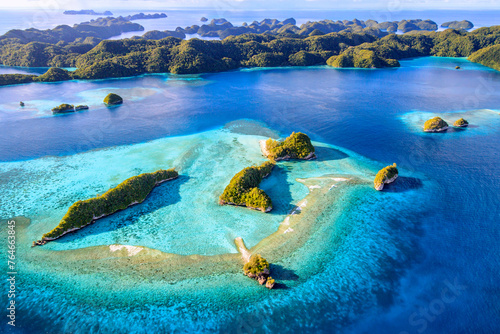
{"points": [[296, 146], [461, 123], [436, 124], [243, 189], [258, 268], [132, 191], [21, 104], [461, 25], [203, 19], [340, 44], [86, 12], [63, 109], [81, 107], [142, 16], [385, 176], [113, 99]]}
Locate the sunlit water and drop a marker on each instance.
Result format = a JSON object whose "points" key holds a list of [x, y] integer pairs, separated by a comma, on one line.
{"points": [[354, 259]]}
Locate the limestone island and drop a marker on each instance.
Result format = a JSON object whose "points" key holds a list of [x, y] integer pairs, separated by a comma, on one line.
{"points": [[436, 124], [459, 25], [243, 189], [385, 176], [81, 107], [63, 109], [461, 123], [132, 191], [258, 269], [296, 146], [113, 99]]}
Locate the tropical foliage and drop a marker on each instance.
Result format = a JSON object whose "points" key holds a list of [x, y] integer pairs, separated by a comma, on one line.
{"points": [[256, 265], [132, 190], [243, 188], [296, 146], [385, 174], [435, 124]]}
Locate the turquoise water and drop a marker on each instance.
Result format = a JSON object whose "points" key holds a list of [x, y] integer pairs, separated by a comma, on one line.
{"points": [[351, 259]]}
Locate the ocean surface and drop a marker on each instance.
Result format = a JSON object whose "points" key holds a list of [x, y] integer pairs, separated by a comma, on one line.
{"points": [[422, 256], [419, 257]]}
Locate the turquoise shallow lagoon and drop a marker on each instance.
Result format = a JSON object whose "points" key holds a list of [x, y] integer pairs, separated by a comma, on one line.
{"points": [[349, 258]]}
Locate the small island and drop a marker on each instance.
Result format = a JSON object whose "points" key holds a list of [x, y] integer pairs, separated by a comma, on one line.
{"points": [[203, 19], [436, 124], [113, 99], [132, 191], [385, 176], [21, 104], [81, 107], [296, 146], [461, 123], [63, 109], [86, 12], [459, 25], [258, 268], [243, 189]]}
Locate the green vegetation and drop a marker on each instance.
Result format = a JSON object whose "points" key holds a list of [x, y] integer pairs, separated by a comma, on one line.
{"points": [[258, 268], [243, 188], [489, 56], [351, 44], [63, 109], [112, 99], [464, 25], [270, 282], [14, 79], [461, 123], [361, 58], [131, 191], [384, 176], [256, 265], [55, 74], [81, 107], [52, 75], [296, 146], [436, 124]]}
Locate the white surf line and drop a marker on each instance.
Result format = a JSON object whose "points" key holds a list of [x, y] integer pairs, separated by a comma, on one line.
{"points": [[131, 250], [245, 253]]}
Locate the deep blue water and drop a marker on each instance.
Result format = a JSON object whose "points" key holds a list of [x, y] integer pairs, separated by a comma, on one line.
{"points": [[450, 285]]}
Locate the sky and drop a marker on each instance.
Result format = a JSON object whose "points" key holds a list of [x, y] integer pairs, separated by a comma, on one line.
{"points": [[253, 4]]}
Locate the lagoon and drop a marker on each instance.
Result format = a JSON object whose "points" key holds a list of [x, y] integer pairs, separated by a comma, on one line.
{"points": [[353, 252]]}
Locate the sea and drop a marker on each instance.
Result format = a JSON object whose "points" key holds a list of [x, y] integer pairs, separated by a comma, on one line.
{"points": [[421, 256]]}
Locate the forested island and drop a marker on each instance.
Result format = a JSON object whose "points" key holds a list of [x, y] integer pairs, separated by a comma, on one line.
{"points": [[385, 176], [81, 47], [243, 189], [132, 191], [258, 268], [436, 124], [296, 146], [461, 123]]}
